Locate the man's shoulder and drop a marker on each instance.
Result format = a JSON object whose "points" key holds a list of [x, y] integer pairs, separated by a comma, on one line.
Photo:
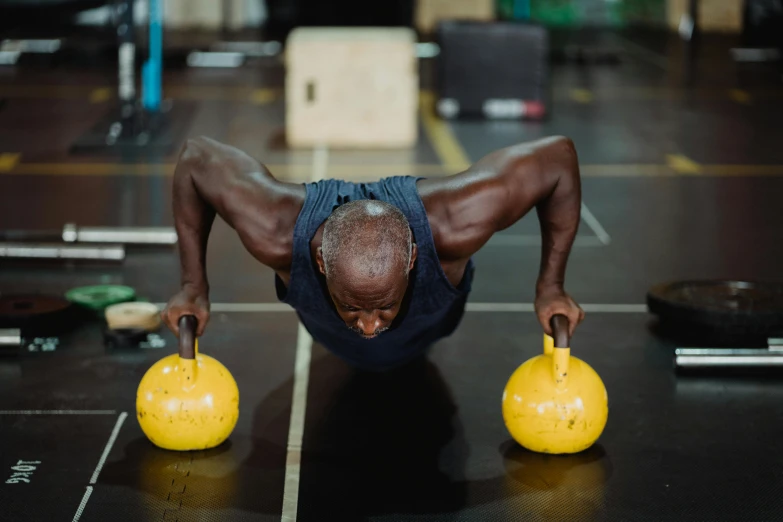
{"points": [[460, 211]]}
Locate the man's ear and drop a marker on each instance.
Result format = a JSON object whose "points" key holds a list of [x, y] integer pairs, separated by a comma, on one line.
{"points": [[414, 253], [319, 258]]}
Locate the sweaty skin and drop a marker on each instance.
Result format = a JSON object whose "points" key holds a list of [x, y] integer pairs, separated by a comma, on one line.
{"points": [[464, 211]]}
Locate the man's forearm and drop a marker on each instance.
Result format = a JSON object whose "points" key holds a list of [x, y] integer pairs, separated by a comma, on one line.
{"points": [[193, 219], [559, 216]]}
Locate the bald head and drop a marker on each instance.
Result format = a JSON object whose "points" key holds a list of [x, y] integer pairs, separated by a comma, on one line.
{"points": [[366, 238]]}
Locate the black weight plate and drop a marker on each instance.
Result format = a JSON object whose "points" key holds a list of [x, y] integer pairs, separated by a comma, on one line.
{"points": [[37, 314], [741, 307]]}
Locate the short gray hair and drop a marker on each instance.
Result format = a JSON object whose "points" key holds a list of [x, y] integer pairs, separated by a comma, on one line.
{"points": [[369, 234]]}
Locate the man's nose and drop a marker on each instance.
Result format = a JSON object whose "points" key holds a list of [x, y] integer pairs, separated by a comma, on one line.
{"points": [[369, 323]]}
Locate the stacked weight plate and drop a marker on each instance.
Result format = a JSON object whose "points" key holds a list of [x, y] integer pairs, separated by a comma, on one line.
{"points": [[728, 324]]}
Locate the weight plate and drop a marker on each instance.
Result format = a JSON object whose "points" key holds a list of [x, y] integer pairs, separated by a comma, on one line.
{"points": [[100, 296], [36, 314], [133, 315], [742, 307]]}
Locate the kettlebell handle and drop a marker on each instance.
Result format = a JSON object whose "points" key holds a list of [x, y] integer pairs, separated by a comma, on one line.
{"points": [[562, 350], [187, 336], [559, 325]]}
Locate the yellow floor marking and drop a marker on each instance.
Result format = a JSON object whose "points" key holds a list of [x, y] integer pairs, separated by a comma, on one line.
{"points": [[581, 95], [93, 169], [266, 95], [101, 94], [262, 96], [677, 166], [740, 96], [642, 93], [221, 93], [627, 170], [60, 92], [682, 164], [446, 145], [204, 92], [282, 171], [8, 161], [743, 170]]}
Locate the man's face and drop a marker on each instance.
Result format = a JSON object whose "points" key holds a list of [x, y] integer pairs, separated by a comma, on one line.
{"points": [[368, 305]]}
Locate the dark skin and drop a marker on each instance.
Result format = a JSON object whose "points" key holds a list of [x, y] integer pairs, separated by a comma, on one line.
{"points": [[367, 305], [464, 211]]}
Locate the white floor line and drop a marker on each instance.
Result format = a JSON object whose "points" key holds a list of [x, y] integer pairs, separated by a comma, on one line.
{"points": [[101, 462], [616, 308], [609, 308], [534, 240], [530, 307], [499, 307], [304, 348], [251, 307], [245, 307], [109, 444], [58, 412], [595, 226], [85, 498], [293, 460]]}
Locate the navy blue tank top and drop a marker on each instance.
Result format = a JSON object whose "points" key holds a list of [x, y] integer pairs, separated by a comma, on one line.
{"points": [[433, 306]]}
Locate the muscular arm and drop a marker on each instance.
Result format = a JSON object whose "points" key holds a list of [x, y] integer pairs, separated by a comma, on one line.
{"points": [[211, 178], [193, 218], [497, 191], [215, 179]]}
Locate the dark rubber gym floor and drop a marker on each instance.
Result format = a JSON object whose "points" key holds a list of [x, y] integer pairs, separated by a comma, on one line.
{"points": [[683, 170]]}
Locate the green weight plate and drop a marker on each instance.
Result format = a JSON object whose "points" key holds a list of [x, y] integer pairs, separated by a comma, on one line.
{"points": [[100, 296]]}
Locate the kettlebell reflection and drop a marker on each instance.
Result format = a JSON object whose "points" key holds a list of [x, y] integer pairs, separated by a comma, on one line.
{"points": [[558, 487], [167, 475]]}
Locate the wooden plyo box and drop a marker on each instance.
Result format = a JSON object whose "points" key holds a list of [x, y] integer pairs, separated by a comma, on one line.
{"points": [[351, 87], [714, 15], [430, 12]]}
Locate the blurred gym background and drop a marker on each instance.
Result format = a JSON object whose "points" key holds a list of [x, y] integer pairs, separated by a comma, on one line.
{"points": [[132, 44], [674, 107], [258, 20]]}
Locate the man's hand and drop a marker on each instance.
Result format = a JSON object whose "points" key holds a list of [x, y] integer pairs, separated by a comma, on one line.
{"points": [[188, 301], [552, 301]]}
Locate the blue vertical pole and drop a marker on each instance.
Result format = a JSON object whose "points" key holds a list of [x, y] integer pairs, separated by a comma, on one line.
{"points": [[152, 73]]}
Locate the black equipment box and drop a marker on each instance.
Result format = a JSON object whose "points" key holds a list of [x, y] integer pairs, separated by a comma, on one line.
{"points": [[493, 70]]}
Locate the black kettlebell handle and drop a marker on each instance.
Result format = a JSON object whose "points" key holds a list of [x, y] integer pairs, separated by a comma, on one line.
{"points": [[559, 324], [187, 336]]}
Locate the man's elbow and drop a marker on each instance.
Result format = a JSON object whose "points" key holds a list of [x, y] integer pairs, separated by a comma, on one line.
{"points": [[556, 146], [193, 160], [551, 147], [565, 144], [557, 162], [194, 149], [561, 151], [198, 156]]}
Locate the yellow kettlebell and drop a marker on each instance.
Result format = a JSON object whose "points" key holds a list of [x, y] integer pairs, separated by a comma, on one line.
{"points": [[555, 403], [187, 400]]}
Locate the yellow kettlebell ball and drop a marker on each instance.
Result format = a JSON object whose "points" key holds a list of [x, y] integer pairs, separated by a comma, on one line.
{"points": [[187, 401], [555, 403]]}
